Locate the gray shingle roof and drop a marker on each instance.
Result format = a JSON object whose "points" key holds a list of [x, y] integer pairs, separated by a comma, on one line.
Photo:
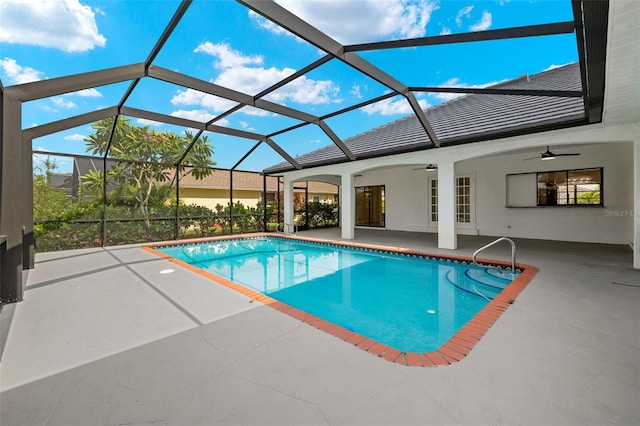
{"points": [[466, 119]]}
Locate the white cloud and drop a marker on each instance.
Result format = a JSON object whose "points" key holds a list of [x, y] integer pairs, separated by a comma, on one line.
{"points": [[145, 122], [362, 21], [192, 97], [355, 92], [88, 93], [553, 66], [249, 110], [393, 106], [75, 137], [67, 25], [455, 82], [245, 125], [200, 115], [483, 24], [18, 74], [223, 122], [238, 74], [227, 57], [40, 158], [251, 80], [463, 13], [268, 25], [62, 103], [445, 31], [304, 90], [452, 82]]}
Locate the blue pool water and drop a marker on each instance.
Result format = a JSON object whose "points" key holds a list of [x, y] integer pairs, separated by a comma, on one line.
{"points": [[412, 304]]}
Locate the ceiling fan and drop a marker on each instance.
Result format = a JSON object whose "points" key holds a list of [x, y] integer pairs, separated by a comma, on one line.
{"points": [[429, 168], [548, 155]]}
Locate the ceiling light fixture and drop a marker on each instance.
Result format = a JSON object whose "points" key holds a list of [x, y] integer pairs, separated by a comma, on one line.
{"points": [[547, 155]]}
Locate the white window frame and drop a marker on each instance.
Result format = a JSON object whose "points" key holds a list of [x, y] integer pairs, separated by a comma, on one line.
{"points": [[472, 201]]}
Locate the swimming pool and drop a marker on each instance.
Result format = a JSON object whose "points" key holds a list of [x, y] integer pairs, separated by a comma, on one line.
{"points": [[399, 300]]}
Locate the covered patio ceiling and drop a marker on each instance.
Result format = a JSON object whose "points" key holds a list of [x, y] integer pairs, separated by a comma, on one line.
{"points": [[589, 27]]}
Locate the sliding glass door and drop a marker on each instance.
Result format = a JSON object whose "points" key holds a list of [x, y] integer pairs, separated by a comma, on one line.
{"points": [[370, 206]]}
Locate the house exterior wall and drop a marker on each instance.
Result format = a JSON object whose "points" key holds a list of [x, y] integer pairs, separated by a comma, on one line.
{"points": [[209, 197], [407, 197], [611, 223], [324, 197]]}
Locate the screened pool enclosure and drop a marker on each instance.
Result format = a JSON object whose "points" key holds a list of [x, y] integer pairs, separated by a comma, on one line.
{"points": [[133, 189]]}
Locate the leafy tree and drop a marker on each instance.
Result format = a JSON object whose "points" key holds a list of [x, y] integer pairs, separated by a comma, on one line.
{"points": [[48, 204], [260, 213], [244, 218], [53, 210], [591, 197], [197, 219], [92, 183], [322, 214], [148, 161]]}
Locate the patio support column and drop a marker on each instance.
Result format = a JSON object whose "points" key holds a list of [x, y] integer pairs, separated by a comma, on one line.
{"points": [[636, 207], [11, 197], [288, 201], [447, 238], [28, 237], [347, 206], [264, 203]]}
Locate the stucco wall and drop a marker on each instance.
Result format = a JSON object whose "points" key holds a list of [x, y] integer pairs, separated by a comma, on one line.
{"points": [[611, 223], [407, 197], [210, 197]]}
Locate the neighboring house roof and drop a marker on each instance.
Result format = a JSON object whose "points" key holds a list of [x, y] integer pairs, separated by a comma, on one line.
{"points": [[221, 179], [62, 181], [317, 187], [83, 165], [466, 119]]}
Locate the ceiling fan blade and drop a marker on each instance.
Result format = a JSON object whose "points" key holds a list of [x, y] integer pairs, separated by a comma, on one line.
{"points": [[548, 155]]}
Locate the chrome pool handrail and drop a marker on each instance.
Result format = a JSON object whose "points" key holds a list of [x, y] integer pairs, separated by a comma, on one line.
{"points": [[513, 251]]}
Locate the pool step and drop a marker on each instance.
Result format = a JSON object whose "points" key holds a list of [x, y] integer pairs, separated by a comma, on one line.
{"points": [[490, 276], [484, 282]]}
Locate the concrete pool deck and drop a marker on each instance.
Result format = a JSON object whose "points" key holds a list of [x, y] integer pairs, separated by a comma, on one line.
{"points": [[104, 338]]}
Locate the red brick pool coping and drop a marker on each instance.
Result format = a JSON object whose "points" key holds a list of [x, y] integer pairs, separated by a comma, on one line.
{"points": [[454, 350]]}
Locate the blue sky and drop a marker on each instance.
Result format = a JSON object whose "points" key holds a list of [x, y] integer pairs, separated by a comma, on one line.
{"points": [[223, 42]]}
